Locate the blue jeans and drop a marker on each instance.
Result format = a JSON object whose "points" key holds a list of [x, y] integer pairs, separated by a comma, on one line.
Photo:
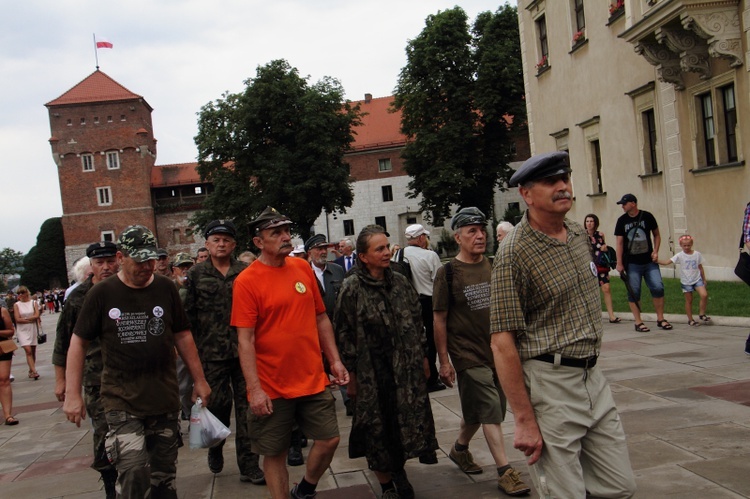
{"points": [[650, 272]]}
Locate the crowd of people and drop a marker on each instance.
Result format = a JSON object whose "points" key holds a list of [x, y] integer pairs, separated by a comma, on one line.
{"points": [[267, 337]]}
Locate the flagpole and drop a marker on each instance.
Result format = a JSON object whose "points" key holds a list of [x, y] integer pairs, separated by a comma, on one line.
{"points": [[96, 53]]}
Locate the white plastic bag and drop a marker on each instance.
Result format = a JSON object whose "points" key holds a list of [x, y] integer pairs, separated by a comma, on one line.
{"points": [[205, 429]]}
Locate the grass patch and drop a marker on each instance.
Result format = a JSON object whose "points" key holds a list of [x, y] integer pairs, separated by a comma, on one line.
{"points": [[724, 298]]}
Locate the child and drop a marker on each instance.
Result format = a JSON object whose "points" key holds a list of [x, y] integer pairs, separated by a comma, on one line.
{"points": [[692, 278]]}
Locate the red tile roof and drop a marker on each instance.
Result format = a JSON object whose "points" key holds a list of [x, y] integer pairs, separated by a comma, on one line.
{"points": [[172, 175], [97, 87], [380, 127]]}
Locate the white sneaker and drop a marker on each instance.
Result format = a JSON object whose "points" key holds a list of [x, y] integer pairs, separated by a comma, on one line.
{"points": [[12, 378]]}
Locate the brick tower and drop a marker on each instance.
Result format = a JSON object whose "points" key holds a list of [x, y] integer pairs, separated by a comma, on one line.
{"points": [[103, 144]]}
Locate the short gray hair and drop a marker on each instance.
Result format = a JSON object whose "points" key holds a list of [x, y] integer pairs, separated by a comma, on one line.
{"points": [[504, 226]]}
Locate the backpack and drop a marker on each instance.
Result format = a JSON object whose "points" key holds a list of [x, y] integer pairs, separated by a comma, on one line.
{"points": [[401, 266], [608, 258]]}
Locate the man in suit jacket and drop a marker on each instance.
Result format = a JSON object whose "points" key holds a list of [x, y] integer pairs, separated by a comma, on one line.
{"points": [[348, 258], [329, 274]]}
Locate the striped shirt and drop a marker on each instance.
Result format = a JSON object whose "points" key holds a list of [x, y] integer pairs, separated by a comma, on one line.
{"points": [[546, 292]]}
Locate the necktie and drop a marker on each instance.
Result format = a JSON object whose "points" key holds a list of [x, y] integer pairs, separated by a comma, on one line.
{"points": [[348, 262]]}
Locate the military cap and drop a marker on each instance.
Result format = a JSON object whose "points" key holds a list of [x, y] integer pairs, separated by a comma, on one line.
{"points": [[138, 243], [268, 219], [162, 253], [101, 249], [182, 259], [628, 198], [315, 241], [468, 216], [221, 227], [541, 166]]}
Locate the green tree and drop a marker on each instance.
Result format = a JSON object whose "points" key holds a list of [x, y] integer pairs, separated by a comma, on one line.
{"points": [[44, 265], [11, 263], [279, 143], [461, 99]]}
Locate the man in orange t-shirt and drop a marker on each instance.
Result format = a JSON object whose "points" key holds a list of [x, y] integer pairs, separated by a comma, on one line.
{"points": [[282, 327]]}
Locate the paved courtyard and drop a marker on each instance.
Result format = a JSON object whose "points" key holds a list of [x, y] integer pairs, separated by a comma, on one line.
{"points": [[684, 396]]}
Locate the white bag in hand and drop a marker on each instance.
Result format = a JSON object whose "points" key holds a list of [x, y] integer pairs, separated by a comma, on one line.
{"points": [[205, 429]]}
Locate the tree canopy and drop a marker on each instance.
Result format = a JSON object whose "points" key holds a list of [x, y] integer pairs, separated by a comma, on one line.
{"points": [[279, 143], [11, 263], [44, 265], [461, 99]]}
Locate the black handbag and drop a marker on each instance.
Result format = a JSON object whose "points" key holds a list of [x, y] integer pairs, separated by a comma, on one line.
{"points": [[742, 270], [41, 336]]}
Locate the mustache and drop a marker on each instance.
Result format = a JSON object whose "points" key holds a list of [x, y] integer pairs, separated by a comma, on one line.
{"points": [[286, 245], [561, 195]]}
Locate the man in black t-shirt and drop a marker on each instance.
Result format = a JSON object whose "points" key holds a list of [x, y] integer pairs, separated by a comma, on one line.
{"points": [[139, 320], [637, 257]]}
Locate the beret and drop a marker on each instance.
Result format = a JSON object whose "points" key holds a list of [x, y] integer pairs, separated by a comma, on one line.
{"points": [[541, 166]]}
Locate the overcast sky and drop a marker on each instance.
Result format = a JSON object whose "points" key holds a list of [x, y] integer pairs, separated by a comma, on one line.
{"points": [[179, 55]]}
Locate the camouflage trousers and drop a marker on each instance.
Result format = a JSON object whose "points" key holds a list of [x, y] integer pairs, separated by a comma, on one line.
{"points": [[228, 387], [144, 450], [95, 411]]}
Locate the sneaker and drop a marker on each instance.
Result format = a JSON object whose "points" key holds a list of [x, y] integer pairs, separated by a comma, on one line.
{"points": [[465, 461], [390, 494], [254, 475], [510, 483], [294, 458], [215, 460], [12, 378], [296, 495]]}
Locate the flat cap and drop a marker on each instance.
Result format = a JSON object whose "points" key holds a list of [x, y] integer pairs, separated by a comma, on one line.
{"points": [[138, 243], [470, 215], [541, 166], [415, 230], [315, 241], [182, 259], [628, 198], [220, 227], [101, 249], [268, 219]]}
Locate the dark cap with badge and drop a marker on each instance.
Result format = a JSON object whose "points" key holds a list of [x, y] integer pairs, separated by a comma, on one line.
{"points": [[268, 219], [138, 243], [101, 249], [315, 242], [468, 216], [220, 227], [628, 198], [541, 166]]}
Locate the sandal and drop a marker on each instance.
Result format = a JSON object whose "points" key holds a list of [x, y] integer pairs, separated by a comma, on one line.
{"points": [[615, 321], [693, 323], [704, 318], [33, 375], [664, 325], [641, 328], [10, 421]]}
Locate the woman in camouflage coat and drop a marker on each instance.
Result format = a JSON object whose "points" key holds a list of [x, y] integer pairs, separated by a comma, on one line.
{"points": [[382, 343]]}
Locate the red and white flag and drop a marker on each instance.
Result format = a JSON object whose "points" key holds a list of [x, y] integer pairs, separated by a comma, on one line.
{"points": [[103, 43]]}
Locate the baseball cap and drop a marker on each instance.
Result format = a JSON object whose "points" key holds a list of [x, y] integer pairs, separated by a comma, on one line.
{"points": [[182, 259], [415, 230], [138, 243], [627, 198]]}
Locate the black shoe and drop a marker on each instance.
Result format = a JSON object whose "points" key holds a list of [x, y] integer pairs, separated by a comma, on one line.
{"points": [[215, 460], [747, 346], [428, 457], [349, 410], [435, 386], [294, 458], [295, 494]]}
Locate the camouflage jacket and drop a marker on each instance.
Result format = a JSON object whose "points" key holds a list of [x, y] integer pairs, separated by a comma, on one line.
{"points": [[208, 303], [92, 369], [381, 339]]}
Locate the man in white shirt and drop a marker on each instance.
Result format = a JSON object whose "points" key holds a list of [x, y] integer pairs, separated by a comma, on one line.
{"points": [[424, 265]]}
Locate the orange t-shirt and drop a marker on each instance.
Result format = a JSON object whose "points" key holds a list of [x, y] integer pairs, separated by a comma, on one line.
{"points": [[282, 303]]}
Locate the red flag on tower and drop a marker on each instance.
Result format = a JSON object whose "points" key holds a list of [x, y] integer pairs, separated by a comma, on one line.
{"points": [[103, 43]]}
